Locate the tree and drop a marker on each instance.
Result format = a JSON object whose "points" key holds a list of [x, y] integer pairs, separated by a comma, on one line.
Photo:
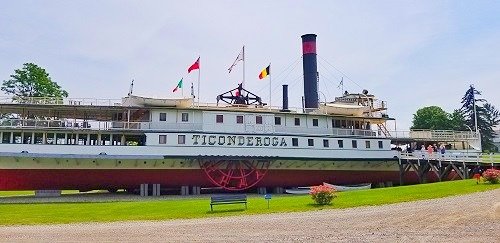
{"points": [[32, 81], [487, 116], [431, 117], [457, 121]]}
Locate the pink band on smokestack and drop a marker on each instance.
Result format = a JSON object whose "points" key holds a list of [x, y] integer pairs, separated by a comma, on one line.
{"points": [[309, 47]]}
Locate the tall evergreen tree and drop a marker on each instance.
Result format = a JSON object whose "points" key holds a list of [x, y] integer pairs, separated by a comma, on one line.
{"points": [[487, 116]]}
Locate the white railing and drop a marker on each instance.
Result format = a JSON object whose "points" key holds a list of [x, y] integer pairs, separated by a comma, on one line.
{"points": [[329, 131], [435, 135], [204, 105], [70, 124], [118, 102], [96, 125], [450, 155], [60, 101]]}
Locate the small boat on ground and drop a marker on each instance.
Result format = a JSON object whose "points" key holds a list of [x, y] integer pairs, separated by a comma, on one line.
{"points": [[350, 187], [298, 191], [307, 189]]}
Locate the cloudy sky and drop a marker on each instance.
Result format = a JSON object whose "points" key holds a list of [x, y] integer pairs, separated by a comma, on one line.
{"points": [[409, 53]]}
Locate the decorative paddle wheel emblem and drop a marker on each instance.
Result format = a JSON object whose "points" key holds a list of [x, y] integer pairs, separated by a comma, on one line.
{"points": [[234, 175]]}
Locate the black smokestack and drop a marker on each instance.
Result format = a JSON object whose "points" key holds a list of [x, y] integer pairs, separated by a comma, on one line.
{"points": [[285, 97], [310, 71]]}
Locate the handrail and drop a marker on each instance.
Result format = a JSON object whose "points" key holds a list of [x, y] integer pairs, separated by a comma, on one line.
{"points": [[467, 157], [60, 101], [435, 135]]}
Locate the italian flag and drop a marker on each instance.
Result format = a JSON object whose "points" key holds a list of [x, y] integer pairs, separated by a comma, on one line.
{"points": [[179, 85]]}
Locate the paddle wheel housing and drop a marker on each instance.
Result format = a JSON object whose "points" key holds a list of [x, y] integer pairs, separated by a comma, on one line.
{"points": [[234, 174]]}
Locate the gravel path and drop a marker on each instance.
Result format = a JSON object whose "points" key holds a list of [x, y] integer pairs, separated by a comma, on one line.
{"points": [[468, 218]]}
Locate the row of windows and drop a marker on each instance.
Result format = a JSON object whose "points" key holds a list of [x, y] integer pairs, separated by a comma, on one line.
{"points": [[326, 143], [258, 120], [184, 117], [181, 139], [277, 121], [239, 119]]}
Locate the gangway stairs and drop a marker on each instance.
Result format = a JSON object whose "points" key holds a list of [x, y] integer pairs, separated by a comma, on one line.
{"points": [[383, 129]]}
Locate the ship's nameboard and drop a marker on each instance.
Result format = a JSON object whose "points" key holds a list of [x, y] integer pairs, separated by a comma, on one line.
{"points": [[232, 140]]}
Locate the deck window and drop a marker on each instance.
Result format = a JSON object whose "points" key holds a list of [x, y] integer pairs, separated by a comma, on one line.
{"points": [[277, 120], [380, 145], [6, 137], [357, 125], [341, 143], [185, 117], [163, 116], [181, 139], [335, 123], [310, 142], [297, 121], [326, 143], [258, 119], [315, 122], [367, 144], [354, 144], [162, 139], [343, 124], [219, 118], [239, 119], [295, 142]]}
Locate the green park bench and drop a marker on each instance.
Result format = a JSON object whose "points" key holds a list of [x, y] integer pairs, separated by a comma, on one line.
{"points": [[227, 199]]}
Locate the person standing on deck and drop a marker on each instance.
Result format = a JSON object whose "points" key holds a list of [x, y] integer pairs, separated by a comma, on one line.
{"points": [[442, 149], [430, 150]]}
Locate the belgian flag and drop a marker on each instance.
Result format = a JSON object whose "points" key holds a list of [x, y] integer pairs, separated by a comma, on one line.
{"points": [[266, 71]]}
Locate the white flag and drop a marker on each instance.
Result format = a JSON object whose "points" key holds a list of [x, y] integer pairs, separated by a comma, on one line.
{"points": [[240, 57]]}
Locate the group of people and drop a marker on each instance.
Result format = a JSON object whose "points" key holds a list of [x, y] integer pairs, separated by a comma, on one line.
{"points": [[440, 149]]}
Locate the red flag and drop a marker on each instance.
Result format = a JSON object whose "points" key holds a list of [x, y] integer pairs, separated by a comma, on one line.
{"points": [[196, 65]]}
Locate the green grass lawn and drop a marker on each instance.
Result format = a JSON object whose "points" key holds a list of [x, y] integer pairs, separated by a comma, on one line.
{"points": [[495, 157], [29, 193], [52, 213]]}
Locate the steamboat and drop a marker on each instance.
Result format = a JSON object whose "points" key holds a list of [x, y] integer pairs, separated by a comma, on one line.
{"points": [[239, 143]]}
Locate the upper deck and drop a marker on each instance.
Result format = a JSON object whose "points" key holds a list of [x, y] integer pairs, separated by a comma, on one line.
{"points": [[354, 106]]}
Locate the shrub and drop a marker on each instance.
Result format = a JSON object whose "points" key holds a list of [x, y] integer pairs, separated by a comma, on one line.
{"points": [[492, 176], [323, 194]]}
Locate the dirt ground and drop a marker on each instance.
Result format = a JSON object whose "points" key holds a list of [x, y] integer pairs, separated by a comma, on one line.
{"points": [[468, 218]]}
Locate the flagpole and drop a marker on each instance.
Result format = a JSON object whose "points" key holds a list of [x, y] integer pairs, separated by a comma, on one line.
{"points": [[474, 104], [270, 85], [199, 73], [243, 83]]}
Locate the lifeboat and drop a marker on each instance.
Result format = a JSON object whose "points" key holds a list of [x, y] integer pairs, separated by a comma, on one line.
{"points": [[342, 109], [133, 100]]}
